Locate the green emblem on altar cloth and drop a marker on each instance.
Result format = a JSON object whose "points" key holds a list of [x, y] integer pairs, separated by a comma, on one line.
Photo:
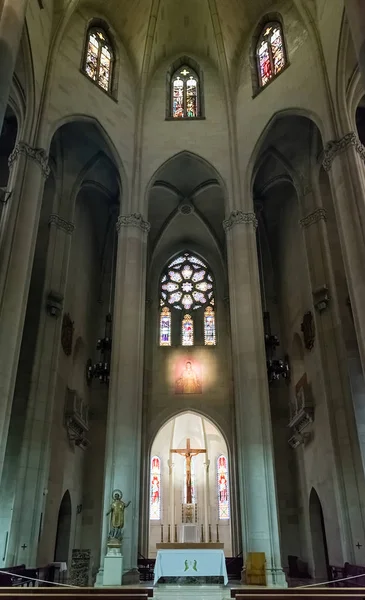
{"points": [[191, 564]]}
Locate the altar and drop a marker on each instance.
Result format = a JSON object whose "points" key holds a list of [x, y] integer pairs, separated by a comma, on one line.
{"points": [[190, 562]]}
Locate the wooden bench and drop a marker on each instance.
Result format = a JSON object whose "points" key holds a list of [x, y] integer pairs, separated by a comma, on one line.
{"points": [[13, 576], [44, 592], [300, 591], [69, 594]]}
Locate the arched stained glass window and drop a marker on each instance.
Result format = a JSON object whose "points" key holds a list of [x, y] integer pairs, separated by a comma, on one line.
{"points": [[270, 53], [187, 331], [99, 58], [165, 327], [155, 491], [223, 489], [187, 286], [209, 327], [185, 94], [193, 486]]}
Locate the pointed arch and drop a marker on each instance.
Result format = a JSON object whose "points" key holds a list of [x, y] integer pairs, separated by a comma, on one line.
{"points": [[99, 56], [184, 87]]}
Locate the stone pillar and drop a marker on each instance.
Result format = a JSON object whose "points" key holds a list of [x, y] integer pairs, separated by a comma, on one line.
{"points": [[12, 17], [34, 461], [15, 270], [355, 11], [344, 161], [348, 474], [123, 445], [171, 508], [255, 455], [206, 498]]}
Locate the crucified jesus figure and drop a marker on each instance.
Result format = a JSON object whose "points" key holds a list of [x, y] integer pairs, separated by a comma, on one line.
{"points": [[188, 453]]}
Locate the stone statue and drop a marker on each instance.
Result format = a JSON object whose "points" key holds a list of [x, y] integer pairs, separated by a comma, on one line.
{"points": [[116, 511]]}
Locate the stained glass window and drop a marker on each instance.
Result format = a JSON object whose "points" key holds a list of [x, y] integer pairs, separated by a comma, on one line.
{"points": [[270, 53], [185, 94], [223, 489], [165, 327], [193, 486], [99, 58], [209, 327], [187, 286], [155, 493], [187, 331]]}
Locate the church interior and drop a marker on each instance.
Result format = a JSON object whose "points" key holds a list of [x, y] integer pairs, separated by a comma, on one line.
{"points": [[182, 315]]}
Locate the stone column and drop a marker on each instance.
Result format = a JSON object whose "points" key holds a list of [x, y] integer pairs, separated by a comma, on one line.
{"points": [[171, 507], [348, 472], [355, 11], [344, 161], [206, 499], [123, 445], [255, 456], [12, 17], [34, 461], [16, 267]]}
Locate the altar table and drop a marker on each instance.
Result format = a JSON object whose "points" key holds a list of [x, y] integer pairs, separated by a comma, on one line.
{"points": [[190, 563]]}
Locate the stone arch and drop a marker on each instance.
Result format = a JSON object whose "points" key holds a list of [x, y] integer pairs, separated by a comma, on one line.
{"points": [[311, 117], [196, 157], [215, 443], [62, 544], [109, 148], [318, 536]]}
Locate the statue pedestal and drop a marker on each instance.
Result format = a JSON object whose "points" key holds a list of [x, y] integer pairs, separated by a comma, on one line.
{"points": [[113, 568]]}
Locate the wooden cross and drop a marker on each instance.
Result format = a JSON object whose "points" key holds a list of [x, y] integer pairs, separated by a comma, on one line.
{"points": [[188, 453]]}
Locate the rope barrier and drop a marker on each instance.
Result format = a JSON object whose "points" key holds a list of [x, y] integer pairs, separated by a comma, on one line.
{"points": [[331, 582], [19, 576]]}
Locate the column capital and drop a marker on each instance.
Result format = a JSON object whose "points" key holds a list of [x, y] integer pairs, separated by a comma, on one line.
{"points": [[38, 155], [61, 223], [320, 214], [336, 147], [237, 217], [133, 220]]}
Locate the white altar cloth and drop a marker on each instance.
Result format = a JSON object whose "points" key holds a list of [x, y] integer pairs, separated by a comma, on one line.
{"points": [[190, 563]]}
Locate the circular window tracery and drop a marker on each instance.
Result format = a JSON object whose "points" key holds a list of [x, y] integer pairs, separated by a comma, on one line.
{"points": [[187, 284]]}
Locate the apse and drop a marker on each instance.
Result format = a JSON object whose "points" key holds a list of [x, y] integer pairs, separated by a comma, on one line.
{"points": [[189, 484]]}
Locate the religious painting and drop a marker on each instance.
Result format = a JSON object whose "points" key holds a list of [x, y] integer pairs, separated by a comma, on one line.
{"points": [[309, 330], [188, 378]]}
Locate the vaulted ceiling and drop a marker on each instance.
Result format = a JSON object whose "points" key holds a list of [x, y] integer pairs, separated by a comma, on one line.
{"points": [[152, 30]]}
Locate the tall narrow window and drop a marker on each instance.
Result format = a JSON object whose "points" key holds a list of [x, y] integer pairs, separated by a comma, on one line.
{"points": [[209, 327], [223, 489], [165, 327], [270, 53], [155, 493], [185, 94], [193, 486], [187, 331], [99, 58]]}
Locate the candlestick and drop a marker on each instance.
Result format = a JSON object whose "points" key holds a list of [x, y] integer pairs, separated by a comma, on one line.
{"points": [[161, 533], [175, 540], [202, 534], [217, 533], [168, 533], [210, 532]]}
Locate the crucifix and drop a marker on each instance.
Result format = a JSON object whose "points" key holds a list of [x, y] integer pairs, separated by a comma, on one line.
{"points": [[188, 453]]}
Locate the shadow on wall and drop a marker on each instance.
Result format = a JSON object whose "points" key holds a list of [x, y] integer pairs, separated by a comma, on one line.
{"points": [[63, 529], [318, 534]]}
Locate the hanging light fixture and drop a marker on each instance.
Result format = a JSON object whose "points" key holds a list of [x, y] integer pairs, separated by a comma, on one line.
{"points": [[276, 368], [101, 369]]}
